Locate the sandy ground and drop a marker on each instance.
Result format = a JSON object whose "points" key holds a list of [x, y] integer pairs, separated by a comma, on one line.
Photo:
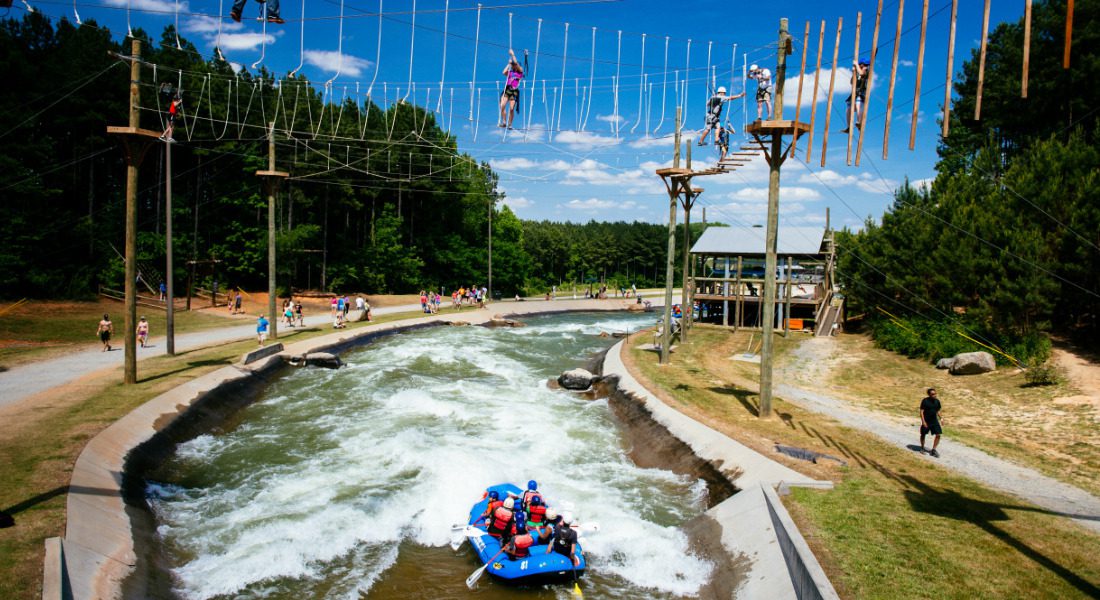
{"points": [[1083, 374], [817, 355]]}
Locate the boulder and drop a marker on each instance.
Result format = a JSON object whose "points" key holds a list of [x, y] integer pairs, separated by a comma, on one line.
{"points": [[945, 363], [972, 363], [323, 359], [458, 323], [364, 315], [502, 322], [635, 307], [576, 379]]}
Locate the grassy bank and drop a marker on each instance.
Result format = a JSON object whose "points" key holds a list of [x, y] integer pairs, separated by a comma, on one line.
{"points": [[41, 440], [897, 525]]}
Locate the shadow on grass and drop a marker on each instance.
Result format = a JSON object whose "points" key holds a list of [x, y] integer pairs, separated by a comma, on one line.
{"points": [[46, 496], [745, 397], [190, 365]]}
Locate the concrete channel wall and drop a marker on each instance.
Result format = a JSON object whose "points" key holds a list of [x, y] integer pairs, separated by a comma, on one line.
{"points": [[97, 556]]}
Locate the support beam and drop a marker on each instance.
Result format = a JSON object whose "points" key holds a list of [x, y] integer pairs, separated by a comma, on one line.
{"points": [[271, 179]]}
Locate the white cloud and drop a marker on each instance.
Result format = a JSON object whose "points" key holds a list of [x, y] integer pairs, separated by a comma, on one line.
{"points": [[842, 86], [786, 193], [906, 63], [244, 41], [864, 181], [598, 204], [331, 62], [652, 142], [584, 140], [204, 24], [512, 164], [610, 118], [517, 202], [168, 6]]}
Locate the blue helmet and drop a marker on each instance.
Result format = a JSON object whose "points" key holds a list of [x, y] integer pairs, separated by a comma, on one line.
{"points": [[493, 495], [521, 518], [536, 500], [532, 485]]}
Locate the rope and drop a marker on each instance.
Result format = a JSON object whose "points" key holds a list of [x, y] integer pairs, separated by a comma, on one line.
{"points": [[129, 31], [687, 78], [534, 81], [177, 29], [263, 41], [618, 62], [477, 38], [378, 52], [591, 75], [564, 58], [78, 22], [218, 40], [412, 43], [301, 44], [339, 49], [641, 89], [443, 69], [664, 88]]}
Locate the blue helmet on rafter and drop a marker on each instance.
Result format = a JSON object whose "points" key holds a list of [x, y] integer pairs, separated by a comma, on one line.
{"points": [[532, 485]]}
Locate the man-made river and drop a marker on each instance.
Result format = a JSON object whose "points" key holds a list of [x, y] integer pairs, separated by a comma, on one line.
{"points": [[345, 483]]}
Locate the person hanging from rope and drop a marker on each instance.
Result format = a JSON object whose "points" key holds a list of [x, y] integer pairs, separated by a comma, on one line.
{"points": [[173, 111], [861, 69], [714, 113], [509, 100], [763, 79], [722, 140], [272, 11]]}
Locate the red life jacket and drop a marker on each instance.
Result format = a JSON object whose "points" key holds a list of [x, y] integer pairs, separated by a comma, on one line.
{"points": [[527, 495], [500, 521], [521, 543], [493, 505], [536, 515]]}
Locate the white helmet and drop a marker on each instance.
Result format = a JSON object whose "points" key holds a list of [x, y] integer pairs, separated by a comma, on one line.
{"points": [[721, 90], [754, 67]]}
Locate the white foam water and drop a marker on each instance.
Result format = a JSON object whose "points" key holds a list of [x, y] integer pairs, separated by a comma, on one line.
{"points": [[312, 493]]}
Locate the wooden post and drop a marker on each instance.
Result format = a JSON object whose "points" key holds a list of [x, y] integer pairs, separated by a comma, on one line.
{"points": [[851, 119], [829, 102], [813, 102], [130, 318], [1069, 33], [870, 83], [688, 199], [740, 297], [673, 194], [920, 72], [1027, 47], [893, 80], [775, 162], [801, 75], [170, 308], [981, 63], [787, 297], [271, 179], [950, 68]]}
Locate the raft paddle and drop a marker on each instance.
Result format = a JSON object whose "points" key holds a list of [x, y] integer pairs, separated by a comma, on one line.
{"points": [[471, 581], [576, 586]]}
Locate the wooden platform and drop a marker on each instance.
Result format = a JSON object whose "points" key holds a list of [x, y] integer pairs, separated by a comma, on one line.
{"points": [[781, 127], [753, 299], [135, 132], [279, 174]]}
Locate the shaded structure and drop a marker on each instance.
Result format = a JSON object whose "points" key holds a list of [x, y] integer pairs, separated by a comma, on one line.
{"points": [[728, 272]]}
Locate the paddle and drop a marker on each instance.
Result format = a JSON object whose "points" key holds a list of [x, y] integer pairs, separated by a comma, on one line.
{"points": [[576, 585], [471, 581], [469, 532]]}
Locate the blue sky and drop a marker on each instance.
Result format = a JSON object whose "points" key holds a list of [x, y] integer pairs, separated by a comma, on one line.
{"points": [[577, 158]]}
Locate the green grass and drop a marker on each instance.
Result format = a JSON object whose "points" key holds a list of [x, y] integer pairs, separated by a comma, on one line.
{"points": [[897, 525]]}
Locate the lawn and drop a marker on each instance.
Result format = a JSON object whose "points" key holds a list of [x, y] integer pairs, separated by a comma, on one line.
{"points": [[897, 525]]}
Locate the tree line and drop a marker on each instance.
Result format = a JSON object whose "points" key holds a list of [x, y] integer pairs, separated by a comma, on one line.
{"points": [[1004, 247], [381, 198]]}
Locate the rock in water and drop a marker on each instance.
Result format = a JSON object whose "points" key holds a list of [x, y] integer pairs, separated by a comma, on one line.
{"points": [[635, 308], [576, 379], [972, 363], [323, 359]]}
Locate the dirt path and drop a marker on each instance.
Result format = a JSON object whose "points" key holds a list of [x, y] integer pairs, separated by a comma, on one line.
{"points": [[815, 358]]}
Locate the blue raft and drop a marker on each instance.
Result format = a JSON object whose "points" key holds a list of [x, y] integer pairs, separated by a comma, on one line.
{"points": [[537, 569]]}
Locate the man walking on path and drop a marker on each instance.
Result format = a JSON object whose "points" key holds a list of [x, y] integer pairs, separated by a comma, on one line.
{"points": [[261, 329], [106, 328], [930, 421]]}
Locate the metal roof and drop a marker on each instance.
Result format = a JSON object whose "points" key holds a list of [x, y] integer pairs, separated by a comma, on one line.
{"points": [[747, 241]]}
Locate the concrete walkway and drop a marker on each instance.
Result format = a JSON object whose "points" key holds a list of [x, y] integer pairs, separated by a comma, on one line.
{"points": [[1022, 482]]}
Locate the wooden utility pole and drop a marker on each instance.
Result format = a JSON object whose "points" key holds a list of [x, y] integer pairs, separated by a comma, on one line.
{"points": [[271, 179], [170, 308], [136, 142], [773, 131]]}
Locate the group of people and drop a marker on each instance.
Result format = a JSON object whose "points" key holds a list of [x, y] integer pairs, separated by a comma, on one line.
{"points": [[469, 295], [292, 312], [429, 302], [106, 329], [341, 305], [524, 521]]}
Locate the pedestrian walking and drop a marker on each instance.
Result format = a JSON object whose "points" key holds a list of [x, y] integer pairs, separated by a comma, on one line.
{"points": [[143, 331], [261, 329], [930, 410], [105, 329]]}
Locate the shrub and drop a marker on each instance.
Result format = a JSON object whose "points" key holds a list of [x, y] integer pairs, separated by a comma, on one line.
{"points": [[1043, 374]]}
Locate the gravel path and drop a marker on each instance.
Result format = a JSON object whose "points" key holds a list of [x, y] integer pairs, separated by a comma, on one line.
{"points": [[1025, 483], [24, 381]]}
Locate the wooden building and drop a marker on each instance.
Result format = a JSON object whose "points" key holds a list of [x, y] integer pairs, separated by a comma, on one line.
{"points": [[727, 278]]}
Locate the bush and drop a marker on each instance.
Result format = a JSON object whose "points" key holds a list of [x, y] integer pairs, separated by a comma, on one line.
{"points": [[933, 340], [1043, 374]]}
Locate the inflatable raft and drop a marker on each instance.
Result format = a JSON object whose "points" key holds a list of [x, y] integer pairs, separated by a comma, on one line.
{"points": [[539, 568]]}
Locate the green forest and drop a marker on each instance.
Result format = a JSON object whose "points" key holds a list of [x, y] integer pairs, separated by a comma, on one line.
{"points": [[1004, 248], [380, 200]]}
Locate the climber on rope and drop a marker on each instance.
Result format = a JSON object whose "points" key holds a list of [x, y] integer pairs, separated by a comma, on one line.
{"points": [[714, 113], [272, 11], [763, 79], [861, 68], [509, 100], [174, 110]]}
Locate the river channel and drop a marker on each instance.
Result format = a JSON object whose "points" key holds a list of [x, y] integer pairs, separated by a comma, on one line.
{"points": [[345, 483]]}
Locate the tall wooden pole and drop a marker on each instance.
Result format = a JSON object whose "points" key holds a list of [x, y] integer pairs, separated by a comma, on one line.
{"points": [[870, 83], [981, 64], [770, 260], [829, 101], [920, 73], [950, 69], [170, 320], [271, 183], [673, 194], [813, 102], [893, 80], [1027, 47], [1069, 33], [685, 295], [851, 120], [801, 76], [130, 318]]}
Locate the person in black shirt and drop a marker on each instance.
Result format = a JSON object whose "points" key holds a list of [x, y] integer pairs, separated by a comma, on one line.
{"points": [[564, 541], [930, 421], [714, 112], [860, 71]]}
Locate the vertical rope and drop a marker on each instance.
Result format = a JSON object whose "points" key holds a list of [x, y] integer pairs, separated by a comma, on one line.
{"points": [[412, 44], [443, 70], [377, 54], [534, 82], [473, 79], [591, 80], [177, 28], [711, 84], [615, 83], [339, 46], [129, 31], [218, 40], [641, 89], [687, 78], [564, 58], [75, 13], [451, 111], [301, 43], [509, 30], [664, 88], [263, 43]]}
